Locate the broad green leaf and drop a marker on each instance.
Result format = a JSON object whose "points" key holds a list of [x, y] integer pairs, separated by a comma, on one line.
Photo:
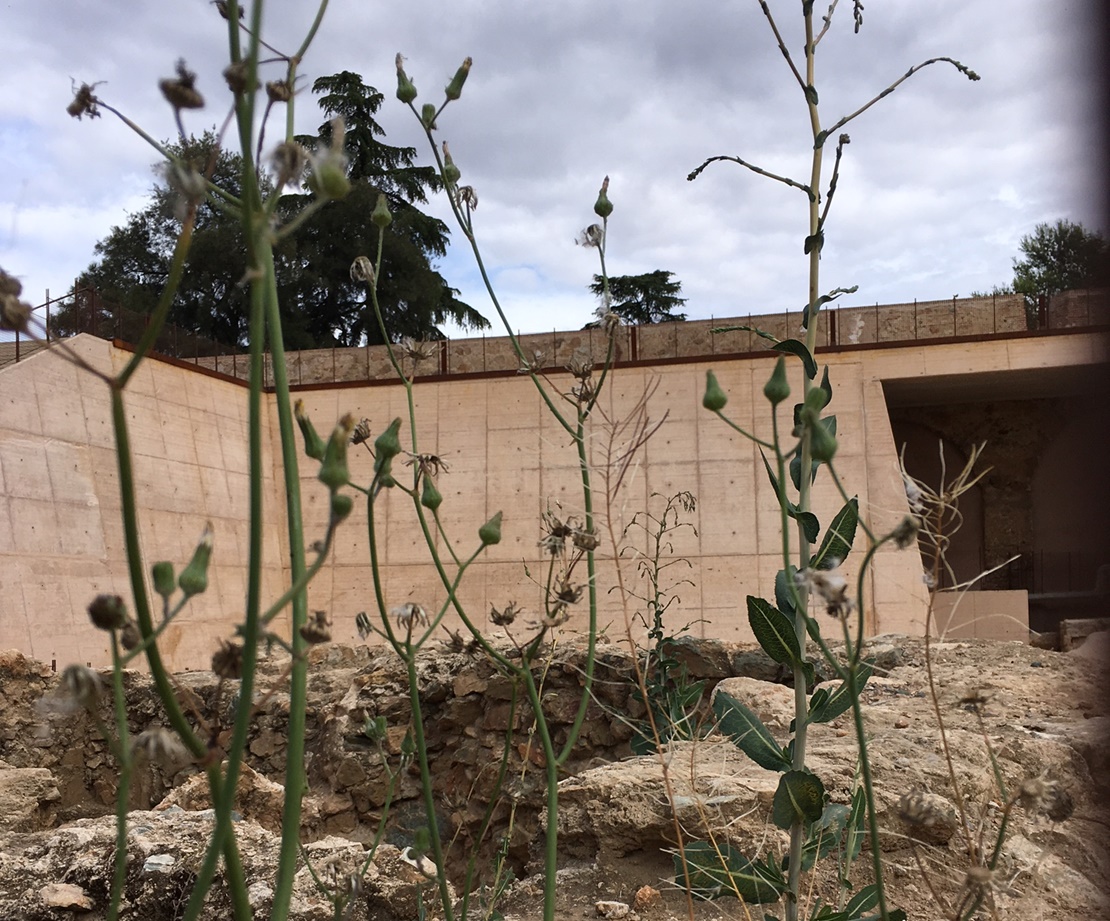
{"points": [[774, 631], [864, 900], [838, 538], [800, 797], [722, 870], [748, 733], [811, 309], [783, 598], [797, 347], [839, 701]]}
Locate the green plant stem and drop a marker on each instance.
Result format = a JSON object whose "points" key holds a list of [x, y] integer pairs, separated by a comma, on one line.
{"points": [[298, 678], [551, 780], [426, 786], [126, 763]]}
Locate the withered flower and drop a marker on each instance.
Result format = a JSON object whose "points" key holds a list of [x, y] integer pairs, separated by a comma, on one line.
{"points": [[279, 90], [361, 432], [81, 685], [318, 628], [181, 92], [108, 612], [505, 616], [84, 102], [410, 613], [288, 160], [227, 661], [237, 76]]}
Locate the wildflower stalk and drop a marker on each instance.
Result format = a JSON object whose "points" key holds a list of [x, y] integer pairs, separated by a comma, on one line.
{"points": [[125, 759]]}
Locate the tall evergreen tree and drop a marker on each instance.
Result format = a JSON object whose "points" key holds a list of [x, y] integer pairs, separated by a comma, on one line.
{"points": [[320, 304], [639, 299]]}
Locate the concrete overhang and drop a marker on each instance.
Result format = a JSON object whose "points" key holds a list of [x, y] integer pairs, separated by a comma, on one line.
{"points": [[993, 386]]}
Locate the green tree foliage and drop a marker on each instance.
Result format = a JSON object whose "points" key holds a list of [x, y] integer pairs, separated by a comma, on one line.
{"points": [[640, 299], [133, 261], [321, 306], [1060, 257], [314, 264]]}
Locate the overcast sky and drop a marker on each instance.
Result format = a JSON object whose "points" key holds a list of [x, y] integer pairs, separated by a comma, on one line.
{"points": [[940, 182]]}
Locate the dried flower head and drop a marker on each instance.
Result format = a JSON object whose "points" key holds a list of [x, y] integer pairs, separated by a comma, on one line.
{"points": [[288, 160], [362, 624], [830, 586], [430, 464], [585, 540], [238, 75], [906, 533], [608, 321], [566, 593], [181, 92], [1037, 794], [408, 614], [466, 197], [416, 351], [80, 685], [129, 636], [221, 5], [317, 629], [360, 434], [537, 361], [108, 612], [15, 315], [160, 745], [279, 90], [227, 661], [592, 236], [505, 616], [581, 364], [187, 184], [362, 269], [84, 102]]}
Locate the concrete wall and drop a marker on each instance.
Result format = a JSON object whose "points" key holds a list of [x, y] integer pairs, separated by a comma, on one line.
{"points": [[62, 542]]}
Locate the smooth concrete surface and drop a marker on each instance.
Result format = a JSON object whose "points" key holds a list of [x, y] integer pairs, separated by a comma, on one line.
{"points": [[61, 536]]}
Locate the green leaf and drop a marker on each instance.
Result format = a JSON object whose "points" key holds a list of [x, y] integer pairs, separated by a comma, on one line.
{"points": [[826, 834], [853, 841], [814, 240], [811, 94], [783, 598], [810, 310], [797, 347], [774, 631], [800, 797], [810, 525], [829, 422], [838, 538], [839, 700], [864, 900], [722, 870], [748, 733]]}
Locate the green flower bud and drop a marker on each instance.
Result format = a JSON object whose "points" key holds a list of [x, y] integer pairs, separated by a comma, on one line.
{"points": [[194, 577], [328, 179], [451, 172], [313, 443], [428, 116], [380, 215], [162, 576], [822, 443], [341, 506], [108, 612], [454, 88], [333, 471], [777, 388], [603, 207], [715, 398], [490, 532], [816, 399], [430, 497], [388, 444], [406, 91]]}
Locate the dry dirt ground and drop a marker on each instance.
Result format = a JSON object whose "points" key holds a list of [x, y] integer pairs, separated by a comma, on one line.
{"points": [[1040, 713]]}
